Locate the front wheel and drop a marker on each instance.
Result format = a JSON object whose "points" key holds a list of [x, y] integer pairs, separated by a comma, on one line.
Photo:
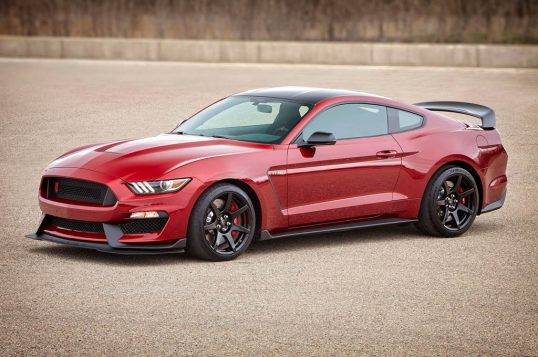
{"points": [[222, 224], [450, 203]]}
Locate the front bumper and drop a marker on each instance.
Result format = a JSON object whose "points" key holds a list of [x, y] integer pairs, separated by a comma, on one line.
{"points": [[110, 219]]}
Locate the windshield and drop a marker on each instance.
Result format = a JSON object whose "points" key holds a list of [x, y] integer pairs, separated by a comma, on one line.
{"points": [[254, 119]]}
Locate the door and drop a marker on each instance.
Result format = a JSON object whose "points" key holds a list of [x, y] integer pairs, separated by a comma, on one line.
{"points": [[352, 179]]}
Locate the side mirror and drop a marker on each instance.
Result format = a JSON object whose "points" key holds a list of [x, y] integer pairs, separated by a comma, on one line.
{"points": [[319, 138]]}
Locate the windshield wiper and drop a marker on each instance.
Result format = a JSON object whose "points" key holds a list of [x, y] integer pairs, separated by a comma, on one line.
{"points": [[184, 133], [211, 136]]}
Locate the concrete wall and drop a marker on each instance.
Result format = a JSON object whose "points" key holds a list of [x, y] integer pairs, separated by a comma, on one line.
{"points": [[518, 56]]}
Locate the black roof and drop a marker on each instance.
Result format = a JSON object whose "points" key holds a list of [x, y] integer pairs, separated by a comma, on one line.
{"points": [[303, 95]]}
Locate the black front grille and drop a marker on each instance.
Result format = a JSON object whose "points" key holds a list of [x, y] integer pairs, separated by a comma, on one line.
{"points": [[74, 225], [138, 226], [78, 190], [146, 225]]}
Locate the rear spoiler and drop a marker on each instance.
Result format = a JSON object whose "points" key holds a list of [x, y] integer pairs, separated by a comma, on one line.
{"points": [[487, 115]]}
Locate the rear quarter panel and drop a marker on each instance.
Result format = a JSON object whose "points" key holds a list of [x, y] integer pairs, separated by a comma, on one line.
{"points": [[439, 142]]}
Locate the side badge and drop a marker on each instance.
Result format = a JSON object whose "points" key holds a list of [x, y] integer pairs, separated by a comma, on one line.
{"points": [[277, 173]]}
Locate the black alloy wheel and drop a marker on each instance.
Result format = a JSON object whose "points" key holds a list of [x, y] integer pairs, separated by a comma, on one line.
{"points": [[450, 203], [455, 202], [222, 224]]}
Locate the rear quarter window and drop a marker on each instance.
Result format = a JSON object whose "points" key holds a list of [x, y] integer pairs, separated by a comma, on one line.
{"points": [[402, 120]]}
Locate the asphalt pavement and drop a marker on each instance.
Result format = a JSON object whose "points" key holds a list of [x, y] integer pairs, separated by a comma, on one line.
{"points": [[389, 291]]}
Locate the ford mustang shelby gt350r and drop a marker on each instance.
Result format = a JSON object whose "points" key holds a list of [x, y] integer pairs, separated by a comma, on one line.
{"points": [[277, 162]]}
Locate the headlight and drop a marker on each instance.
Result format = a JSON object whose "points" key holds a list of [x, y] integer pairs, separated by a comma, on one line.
{"points": [[155, 187]]}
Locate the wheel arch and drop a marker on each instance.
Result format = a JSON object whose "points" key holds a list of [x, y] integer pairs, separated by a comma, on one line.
{"points": [[473, 171], [251, 193]]}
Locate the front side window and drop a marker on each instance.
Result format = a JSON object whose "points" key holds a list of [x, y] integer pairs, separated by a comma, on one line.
{"points": [[352, 120], [254, 119]]}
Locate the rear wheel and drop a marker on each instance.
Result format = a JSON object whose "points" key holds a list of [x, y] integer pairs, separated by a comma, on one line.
{"points": [[450, 203], [222, 223]]}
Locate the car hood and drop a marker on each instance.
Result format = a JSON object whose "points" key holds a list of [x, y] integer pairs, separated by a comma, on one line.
{"points": [[150, 158]]}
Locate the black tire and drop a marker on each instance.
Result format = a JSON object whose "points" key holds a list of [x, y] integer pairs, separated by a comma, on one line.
{"points": [[222, 224], [450, 203]]}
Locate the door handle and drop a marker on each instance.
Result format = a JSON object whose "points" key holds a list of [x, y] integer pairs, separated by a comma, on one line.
{"points": [[385, 154]]}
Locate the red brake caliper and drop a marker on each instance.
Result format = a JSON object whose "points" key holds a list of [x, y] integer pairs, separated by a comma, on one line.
{"points": [[233, 208], [460, 190]]}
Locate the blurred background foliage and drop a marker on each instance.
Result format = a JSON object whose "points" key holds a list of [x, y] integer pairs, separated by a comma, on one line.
{"points": [[436, 21]]}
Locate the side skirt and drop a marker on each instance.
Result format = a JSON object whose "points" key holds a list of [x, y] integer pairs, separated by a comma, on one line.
{"points": [[265, 235]]}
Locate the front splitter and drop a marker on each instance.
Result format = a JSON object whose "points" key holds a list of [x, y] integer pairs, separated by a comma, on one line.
{"points": [[126, 249]]}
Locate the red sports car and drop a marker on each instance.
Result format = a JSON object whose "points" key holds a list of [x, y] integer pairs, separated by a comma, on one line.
{"points": [[277, 162]]}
